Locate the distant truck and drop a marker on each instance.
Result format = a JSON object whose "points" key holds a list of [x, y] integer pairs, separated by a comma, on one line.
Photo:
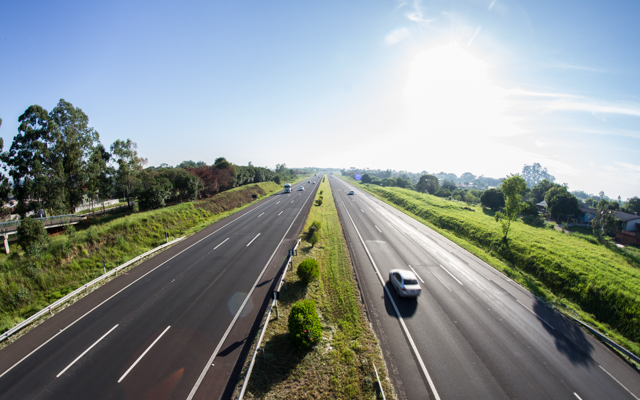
{"points": [[287, 188]]}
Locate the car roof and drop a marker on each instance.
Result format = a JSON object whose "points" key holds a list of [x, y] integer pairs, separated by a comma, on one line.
{"points": [[405, 274]]}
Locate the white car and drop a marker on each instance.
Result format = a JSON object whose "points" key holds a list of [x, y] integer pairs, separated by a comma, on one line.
{"points": [[301, 188], [405, 282]]}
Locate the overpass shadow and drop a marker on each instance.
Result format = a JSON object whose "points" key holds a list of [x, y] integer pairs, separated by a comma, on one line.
{"points": [[406, 306], [571, 341]]}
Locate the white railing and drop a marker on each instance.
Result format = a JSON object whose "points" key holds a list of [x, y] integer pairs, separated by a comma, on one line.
{"points": [[84, 287]]}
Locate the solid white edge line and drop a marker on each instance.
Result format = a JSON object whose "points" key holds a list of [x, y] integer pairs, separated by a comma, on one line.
{"points": [[221, 243], [618, 382], [121, 290], [576, 394], [86, 351], [260, 215], [378, 228], [414, 271], [143, 354], [235, 318], [404, 327], [445, 270], [248, 244], [540, 318]]}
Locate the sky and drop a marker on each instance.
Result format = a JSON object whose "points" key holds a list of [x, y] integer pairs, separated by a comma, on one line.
{"points": [[481, 86]]}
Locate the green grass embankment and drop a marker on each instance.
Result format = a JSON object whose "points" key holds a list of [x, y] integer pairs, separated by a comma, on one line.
{"points": [[341, 366], [598, 283], [27, 284]]}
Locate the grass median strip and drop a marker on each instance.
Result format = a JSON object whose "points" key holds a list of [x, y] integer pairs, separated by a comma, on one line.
{"points": [[341, 366]]}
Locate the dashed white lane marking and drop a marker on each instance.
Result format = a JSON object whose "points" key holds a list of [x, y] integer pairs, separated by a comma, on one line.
{"points": [[361, 210], [221, 243], [531, 311], [278, 202], [445, 270], [260, 215], [378, 228], [618, 382], [86, 351], [280, 213], [414, 271], [576, 394], [292, 201], [253, 240], [395, 307], [143, 354]]}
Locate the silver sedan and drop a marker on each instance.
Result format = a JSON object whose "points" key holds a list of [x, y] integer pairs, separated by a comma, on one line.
{"points": [[405, 282]]}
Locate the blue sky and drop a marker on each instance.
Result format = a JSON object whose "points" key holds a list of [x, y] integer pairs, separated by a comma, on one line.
{"points": [[481, 86]]}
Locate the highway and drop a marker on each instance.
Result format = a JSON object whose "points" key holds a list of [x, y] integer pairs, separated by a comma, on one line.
{"points": [[175, 326], [473, 333]]}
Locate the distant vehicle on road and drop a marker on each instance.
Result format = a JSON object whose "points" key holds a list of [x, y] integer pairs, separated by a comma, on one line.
{"points": [[287, 188], [405, 282], [352, 192], [314, 182], [301, 188], [308, 181]]}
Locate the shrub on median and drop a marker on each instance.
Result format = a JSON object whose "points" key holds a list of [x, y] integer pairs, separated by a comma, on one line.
{"points": [[308, 270], [304, 324]]}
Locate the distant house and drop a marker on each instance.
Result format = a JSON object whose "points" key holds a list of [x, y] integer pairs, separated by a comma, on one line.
{"points": [[586, 215], [628, 222]]}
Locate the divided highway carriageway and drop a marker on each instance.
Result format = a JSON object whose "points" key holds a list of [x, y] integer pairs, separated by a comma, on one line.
{"points": [[473, 333], [174, 327]]}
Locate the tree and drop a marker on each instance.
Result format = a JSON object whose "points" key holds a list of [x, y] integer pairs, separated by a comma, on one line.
{"points": [[442, 192], [541, 188], [492, 198], [532, 174], [450, 185], [366, 178], [32, 235], [154, 196], [129, 166], [512, 187], [428, 183], [100, 175], [561, 203], [221, 163], [467, 177], [633, 205], [73, 143], [5, 188]]}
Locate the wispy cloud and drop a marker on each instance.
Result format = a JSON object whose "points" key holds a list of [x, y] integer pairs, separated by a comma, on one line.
{"points": [[416, 15], [396, 36], [578, 68], [474, 36], [493, 3]]}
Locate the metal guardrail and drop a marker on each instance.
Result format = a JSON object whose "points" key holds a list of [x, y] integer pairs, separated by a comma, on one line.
{"points": [[56, 219], [608, 341], [274, 303], [84, 287]]}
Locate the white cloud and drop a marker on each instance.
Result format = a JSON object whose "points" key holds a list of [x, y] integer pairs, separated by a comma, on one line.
{"points": [[396, 36]]}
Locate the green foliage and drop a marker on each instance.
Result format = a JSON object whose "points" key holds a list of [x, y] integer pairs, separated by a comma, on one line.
{"points": [[366, 178], [428, 183], [318, 202], [633, 205], [541, 189], [561, 203], [533, 174], [314, 239], [32, 236], [308, 270], [155, 194], [512, 187], [492, 198], [304, 324], [443, 192]]}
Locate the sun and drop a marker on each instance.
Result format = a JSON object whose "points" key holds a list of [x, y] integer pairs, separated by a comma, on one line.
{"points": [[449, 95]]}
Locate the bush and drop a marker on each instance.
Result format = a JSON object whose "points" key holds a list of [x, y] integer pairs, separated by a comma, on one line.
{"points": [[319, 202], [308, 270], [316, 225], [32, 234], [314, 239], [304, 325]]}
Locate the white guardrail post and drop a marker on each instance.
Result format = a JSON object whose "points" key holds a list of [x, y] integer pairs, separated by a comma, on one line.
{"points": [[84, 287]]}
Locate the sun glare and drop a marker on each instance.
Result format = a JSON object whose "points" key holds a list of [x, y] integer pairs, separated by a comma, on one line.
{"points": [[450, 96]]}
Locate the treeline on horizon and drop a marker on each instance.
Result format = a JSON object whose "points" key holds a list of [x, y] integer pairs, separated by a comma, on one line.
{"points": [[56, 162], [470, 188]]}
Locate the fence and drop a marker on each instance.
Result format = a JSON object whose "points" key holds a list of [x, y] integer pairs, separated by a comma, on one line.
{"points": [[49, 309], [12, 226]]}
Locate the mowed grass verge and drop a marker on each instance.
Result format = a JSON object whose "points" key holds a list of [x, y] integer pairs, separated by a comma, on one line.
{"points": [[27, 284], [597, 283], [341, 366]]}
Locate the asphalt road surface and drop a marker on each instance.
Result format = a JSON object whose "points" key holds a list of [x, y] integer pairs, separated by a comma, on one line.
{"points": [[172, 328], [473, 333]]}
